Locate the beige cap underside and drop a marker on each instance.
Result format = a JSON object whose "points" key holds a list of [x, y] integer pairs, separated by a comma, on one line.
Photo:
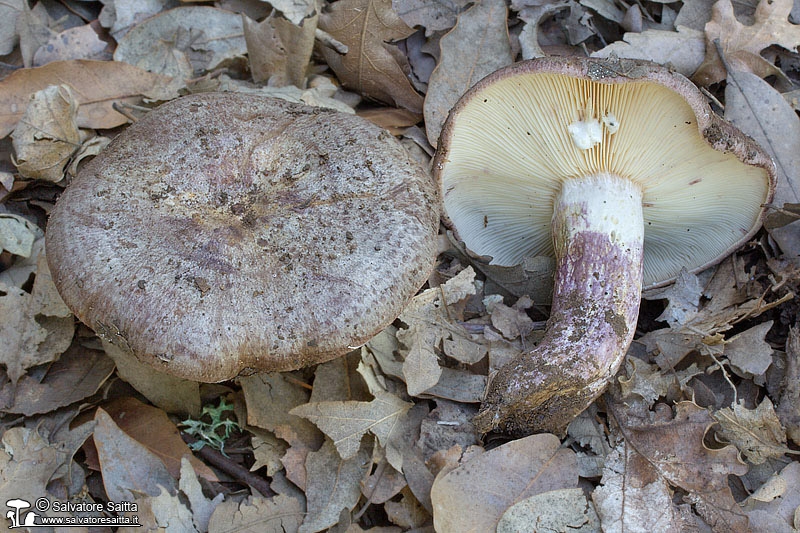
{"points": [[509, 150]]}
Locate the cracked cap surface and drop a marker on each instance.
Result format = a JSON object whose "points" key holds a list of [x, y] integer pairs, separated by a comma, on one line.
{"points": [[228, 233]]}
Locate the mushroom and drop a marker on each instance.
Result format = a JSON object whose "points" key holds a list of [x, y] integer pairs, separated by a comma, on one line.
{"points": [[618, 169], [230, 233]]}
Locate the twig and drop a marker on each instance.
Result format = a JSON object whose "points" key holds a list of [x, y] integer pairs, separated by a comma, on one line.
{"points": [[299, 383], [328, 40], [378, 476], [725, 375], [123, 108], [712, 98], [229, 467]]}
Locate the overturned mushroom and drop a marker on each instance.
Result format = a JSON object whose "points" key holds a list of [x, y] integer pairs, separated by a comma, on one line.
{"points": [[228, 233], [619, 170]]}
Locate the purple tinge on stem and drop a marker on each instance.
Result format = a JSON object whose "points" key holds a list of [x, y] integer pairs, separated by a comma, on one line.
{"points": [[598, 239]]}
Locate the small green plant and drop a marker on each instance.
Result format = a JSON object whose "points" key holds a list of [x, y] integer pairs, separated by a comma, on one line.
{"points": [[211, 433]]}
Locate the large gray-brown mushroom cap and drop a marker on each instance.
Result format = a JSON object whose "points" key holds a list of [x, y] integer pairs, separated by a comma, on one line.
{"points": [[229, 233]]}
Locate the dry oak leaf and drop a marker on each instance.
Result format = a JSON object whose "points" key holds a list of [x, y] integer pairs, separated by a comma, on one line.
{"points": [[27, 461], [151, 428], [477, 46], [279, 514], [76, 375], [334, 484], [676, 450], [756, 432], [372, 66], [788, 409], [683, 49], [97, 85], [47, 134], [495, 480], [633, 498], [127, 466], [432, 15], [559, 511], [742, 45], [36, 328], [429, 323], [80, 42], [279, 51], [347, 422], [179, 41]]}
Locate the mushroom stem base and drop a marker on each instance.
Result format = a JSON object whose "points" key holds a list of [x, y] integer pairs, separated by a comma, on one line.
{"points": [[598, 235]]}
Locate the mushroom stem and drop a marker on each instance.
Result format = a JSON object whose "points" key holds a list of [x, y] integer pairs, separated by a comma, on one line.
{"points": [[598, 236]]}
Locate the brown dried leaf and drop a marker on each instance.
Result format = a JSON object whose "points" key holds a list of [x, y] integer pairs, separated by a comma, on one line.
{"points": [[646, 381], [339, 379], [90, 148], [17, 236], [407, 513], [77, 374], [294, 460], [383, 485], [179, 41], [499, 478], [9, 12], [319, 96], [333, 484], [788, 409], [756, 432], [533, 15], [683, 50], [391, 118], [34, 30], [278, 50], [633, 497], [459, 386], [127, 466], [760, 111], [606, 9], [511, 322], [688, 463], [279, 514], [294, 10], [119, 16], [97, 85], [267, 451], [168, 512], [429, 322], [783, 507], [202, 508], [347, 422], [532, 278], [560, 510], [684, 299], [463, 62], [152, 428], [269, 399], [433, 15], [36, 327], [372, 66], [742, 45], [47, 134], [748, 352], [27, 462], [80, 42], [170, 393]]}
